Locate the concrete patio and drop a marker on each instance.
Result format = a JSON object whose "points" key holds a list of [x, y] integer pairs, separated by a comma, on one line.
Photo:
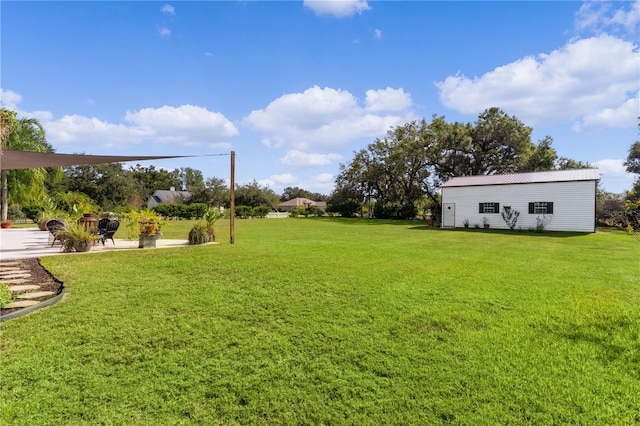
{"points": [[22, 243]]}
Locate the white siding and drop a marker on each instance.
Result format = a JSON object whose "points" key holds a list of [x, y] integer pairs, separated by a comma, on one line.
{"points": [[573, 204]]}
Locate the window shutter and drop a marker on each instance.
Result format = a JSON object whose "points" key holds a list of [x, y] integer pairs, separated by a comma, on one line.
{"points": [[530, 208], [480, 208], [496, 207], [549, 207]]}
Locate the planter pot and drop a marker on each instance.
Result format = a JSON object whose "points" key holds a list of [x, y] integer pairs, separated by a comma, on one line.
{"points": [[147, 241], [486, 226], [6, 225], [88, 221], [42, 225], [83, 246]]}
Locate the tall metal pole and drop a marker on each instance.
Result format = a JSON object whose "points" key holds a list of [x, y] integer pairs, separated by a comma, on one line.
{"points": [[232, 203]]}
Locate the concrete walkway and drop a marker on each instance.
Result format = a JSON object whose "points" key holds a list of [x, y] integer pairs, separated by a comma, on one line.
{"points": [[22, 243]]}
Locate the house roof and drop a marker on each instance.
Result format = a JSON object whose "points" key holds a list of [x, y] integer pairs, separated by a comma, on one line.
{"points": [[295, 202], [521, 178], [167, 195]]}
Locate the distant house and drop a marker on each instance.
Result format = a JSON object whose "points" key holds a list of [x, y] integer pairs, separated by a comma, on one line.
{"points": [[566, 199], [167, 197], [287, 206]]}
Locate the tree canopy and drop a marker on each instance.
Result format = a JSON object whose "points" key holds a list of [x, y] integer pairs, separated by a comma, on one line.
{"points": [[23, 134]]}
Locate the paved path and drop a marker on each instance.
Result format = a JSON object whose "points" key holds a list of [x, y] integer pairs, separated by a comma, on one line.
{"points": [[22, 243]]}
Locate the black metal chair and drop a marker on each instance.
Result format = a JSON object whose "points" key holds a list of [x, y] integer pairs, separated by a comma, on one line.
{"points": [[102, 225], [54, 226], [109, 231]]}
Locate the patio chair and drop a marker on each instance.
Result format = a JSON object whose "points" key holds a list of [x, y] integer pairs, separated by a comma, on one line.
{"points": [[102, 225], [54, 226], [109, 231]]}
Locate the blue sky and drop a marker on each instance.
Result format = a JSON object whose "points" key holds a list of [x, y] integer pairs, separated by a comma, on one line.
{"points": [[294, 88]]}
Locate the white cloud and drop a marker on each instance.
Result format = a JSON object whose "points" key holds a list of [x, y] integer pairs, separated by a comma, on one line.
{"points": [[295, 158], [598, 16], [88, 131], [387, 100], [9, 99], [324, 178], [322, 119], [164, 32], [322, 183], [187, 122], [612, 167], [622, 117], [580, 81], [278, 182], [615, 175], [377, 34], [186, 125], [337, 8], [167, 8]]}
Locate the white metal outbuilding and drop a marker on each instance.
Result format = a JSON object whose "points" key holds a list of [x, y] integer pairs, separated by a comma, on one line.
{"points": [[565, 199]]}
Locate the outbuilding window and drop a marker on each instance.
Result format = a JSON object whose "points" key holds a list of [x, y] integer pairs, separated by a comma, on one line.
{"points": [[489, 208], [541, 207]]}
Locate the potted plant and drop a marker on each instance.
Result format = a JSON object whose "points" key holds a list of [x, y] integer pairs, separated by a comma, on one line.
{"points": [[485, 222], [198, 234], [13, 213], [205, 232], [145, 226], [75, 237], [211, 216], [465, 223], [49, 212]]}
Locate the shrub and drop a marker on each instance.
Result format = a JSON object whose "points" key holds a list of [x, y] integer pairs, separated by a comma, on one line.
{"points": [[510, 216], [198, 234], [542, 222], [143, 222], [195, 210], [243, 212], [14, 212], [76, 237], [346, 209], [31, 211], [395, 211], [260, 211]]}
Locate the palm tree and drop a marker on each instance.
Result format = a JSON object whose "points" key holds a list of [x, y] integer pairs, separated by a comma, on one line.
{"points": [[23, 134]]}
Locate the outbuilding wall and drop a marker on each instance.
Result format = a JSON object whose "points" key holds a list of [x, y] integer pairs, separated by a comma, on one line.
{"points": [[573, 204]]}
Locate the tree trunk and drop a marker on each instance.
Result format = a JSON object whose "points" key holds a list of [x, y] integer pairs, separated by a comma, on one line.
{"points": [[5, 195]]}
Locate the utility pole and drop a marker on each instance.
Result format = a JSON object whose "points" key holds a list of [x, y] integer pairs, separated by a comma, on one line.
{"points": [[232, 203]]}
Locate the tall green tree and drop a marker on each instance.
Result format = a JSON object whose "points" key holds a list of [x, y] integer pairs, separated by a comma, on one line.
{"points": [[290, 193], [191, 179], [542, 157], [253, 195], [109, 185], [149, 179], [501, 143], [22, 186], [632, 162], [565, 163], [415, 159], [215, 193]]}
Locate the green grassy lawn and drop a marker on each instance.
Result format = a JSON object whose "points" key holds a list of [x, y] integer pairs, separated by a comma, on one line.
{"points": [[330, 321]]}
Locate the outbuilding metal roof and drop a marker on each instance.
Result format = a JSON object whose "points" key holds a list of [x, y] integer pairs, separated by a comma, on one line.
{"points": [[519, 178]]}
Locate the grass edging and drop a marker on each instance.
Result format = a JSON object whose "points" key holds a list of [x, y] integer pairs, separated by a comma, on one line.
{"points": [[25, 311]]}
